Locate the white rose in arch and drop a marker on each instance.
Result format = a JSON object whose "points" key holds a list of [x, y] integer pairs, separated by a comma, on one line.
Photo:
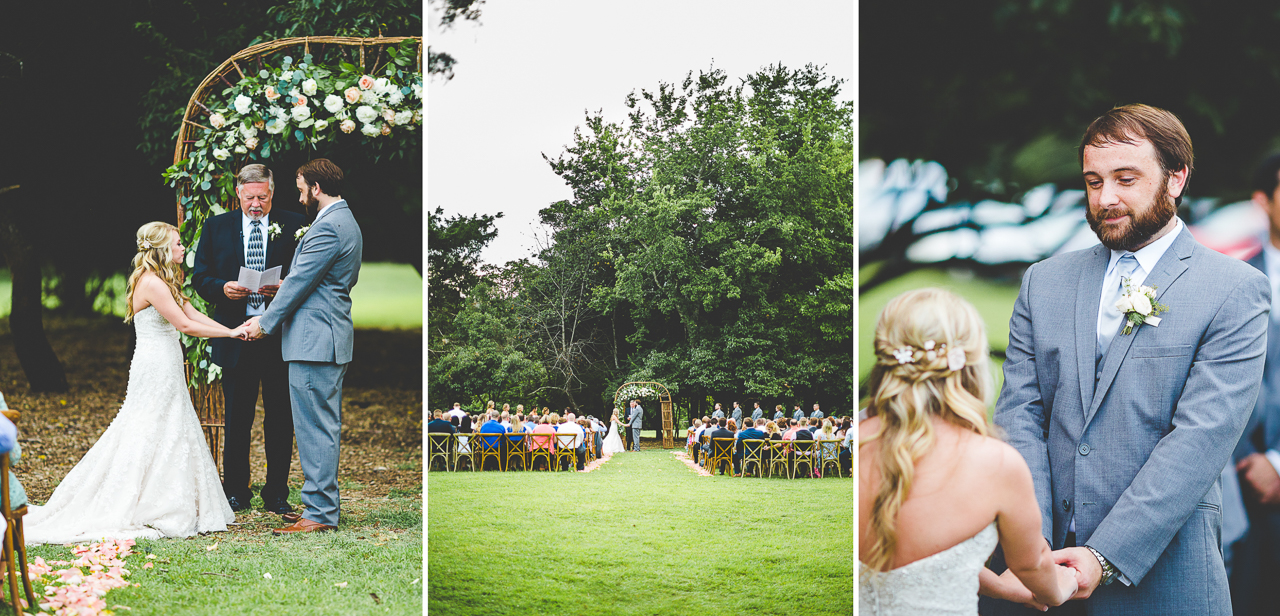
{"points": [[217, 120], [286, 76], [347, 126], [309, 87], [380, 85], [241, 149], [1141, 304], [332, 104], [417, 90], [404, 117], [221, 153], [248, 132], [370, 130], [369, 97], [322, 124], [243, 103], [366, 114], [300, 113], [275, 126], [251, 143], [1125, 304], [395, 98]]}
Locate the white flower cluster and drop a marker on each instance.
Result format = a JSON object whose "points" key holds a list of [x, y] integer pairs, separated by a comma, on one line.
{"points": [[290, 98]]}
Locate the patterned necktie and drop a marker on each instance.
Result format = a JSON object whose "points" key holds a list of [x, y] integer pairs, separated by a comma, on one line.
{"points": [[1111, 317], [256, 258]]}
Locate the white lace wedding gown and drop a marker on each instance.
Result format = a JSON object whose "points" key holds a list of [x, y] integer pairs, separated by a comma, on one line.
{"points": [[942, 584], [613, 441], [150, 474]]}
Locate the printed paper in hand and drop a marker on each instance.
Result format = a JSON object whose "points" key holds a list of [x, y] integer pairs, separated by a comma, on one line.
{"points": [[254, 280]]}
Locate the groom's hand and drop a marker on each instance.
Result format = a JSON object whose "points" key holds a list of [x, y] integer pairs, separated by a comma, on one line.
{"points": [[1260, 478], [254, 329], [1088, 569]]}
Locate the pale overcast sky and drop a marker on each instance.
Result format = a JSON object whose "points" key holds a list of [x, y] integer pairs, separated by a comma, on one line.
{"points": [[530, 68]]}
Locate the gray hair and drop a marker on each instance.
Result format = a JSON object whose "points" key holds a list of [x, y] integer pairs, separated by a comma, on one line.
{"points": [[255, 174]]}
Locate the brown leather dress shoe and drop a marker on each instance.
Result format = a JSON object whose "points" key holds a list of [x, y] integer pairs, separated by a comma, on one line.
{"points": [[303, 526]]}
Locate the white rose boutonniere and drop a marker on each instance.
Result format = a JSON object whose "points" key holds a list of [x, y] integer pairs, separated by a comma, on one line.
{"points": [[301, 232], [1138, 304], [273, 231]]}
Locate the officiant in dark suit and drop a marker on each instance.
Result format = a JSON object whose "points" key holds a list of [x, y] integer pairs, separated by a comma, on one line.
{"points": [[258, 238]]}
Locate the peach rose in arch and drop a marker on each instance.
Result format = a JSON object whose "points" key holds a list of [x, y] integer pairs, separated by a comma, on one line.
{"points": [[366, 82]]}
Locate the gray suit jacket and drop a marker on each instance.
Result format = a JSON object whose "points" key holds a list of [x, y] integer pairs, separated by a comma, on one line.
{"points": [[313, 305], [1132, 446], [636, 418]]}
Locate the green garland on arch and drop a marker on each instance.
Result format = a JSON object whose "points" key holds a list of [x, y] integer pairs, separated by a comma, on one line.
{"points": [[298, 104]]}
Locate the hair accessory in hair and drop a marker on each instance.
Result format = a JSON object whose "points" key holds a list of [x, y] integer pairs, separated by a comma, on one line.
{"points": [[146, 245], [905, 355]]}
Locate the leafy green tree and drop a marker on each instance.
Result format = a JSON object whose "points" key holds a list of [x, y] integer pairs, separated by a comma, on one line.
{"points": [[485, 359], [453, 263], [725, 216]]}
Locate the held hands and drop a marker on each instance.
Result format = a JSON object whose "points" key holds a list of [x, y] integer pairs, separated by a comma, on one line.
{"points": [[1259, 479], [1088, 569], [251, 329]]}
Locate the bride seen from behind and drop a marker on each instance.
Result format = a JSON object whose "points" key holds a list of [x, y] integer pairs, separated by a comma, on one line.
{"points": [[613, 440], [150, 474], [934, 490]]}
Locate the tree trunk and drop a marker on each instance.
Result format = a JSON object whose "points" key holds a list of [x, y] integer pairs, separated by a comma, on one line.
{"points": [[44, 371]]}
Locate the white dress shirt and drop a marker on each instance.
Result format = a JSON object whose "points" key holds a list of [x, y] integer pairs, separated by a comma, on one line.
{"points": [[246, 227], [1147, 257]]}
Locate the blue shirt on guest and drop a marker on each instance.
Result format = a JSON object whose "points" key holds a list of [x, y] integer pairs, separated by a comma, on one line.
{"points": [[494, 427]]}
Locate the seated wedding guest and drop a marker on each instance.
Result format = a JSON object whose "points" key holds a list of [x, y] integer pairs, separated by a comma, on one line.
{"points": [[740, 449], [708, 427], [600, 431], [438, 424], [703, 426], [790, 434], [846, 452], [927, 429], [456, 411], [545, 443], [570, 435], [493, 426], [826, 433], [723, 429], [506, 417], [690, 432]]}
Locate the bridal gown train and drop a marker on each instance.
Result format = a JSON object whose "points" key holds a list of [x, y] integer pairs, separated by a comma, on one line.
{"points": [[613, 442], [942, 584], [150, 474]]}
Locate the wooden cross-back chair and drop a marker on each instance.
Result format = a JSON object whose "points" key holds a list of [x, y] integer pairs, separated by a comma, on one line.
{"points": [[15, 548]]}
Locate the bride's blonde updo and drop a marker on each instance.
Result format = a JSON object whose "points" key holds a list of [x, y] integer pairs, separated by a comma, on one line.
{"points": [[154, 256], [931, 361]]}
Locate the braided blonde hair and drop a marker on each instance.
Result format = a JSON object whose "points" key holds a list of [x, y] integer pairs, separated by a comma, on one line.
{"points": [[154, 256], [910, 384]]}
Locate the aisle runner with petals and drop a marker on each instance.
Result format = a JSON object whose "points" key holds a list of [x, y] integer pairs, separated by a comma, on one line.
{"points": [[683, 456], [79, 587], [595, 464]]}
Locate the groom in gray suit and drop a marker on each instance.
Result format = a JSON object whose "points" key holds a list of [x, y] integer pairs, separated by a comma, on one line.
{"points": [[313, 308], [635, 419], [1126, 417]]}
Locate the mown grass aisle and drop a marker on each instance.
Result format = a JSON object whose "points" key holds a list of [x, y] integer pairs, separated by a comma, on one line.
{"points": [[641, 535]]}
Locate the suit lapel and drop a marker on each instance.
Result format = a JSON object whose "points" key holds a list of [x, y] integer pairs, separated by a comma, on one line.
{"points": [[1167, 270], [1088, 297], [238, 235], [271, 247]]}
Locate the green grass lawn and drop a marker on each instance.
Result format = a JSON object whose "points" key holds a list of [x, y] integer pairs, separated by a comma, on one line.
{"points": [[387, 296], [994, 301], [641, 535], [376, 551]]}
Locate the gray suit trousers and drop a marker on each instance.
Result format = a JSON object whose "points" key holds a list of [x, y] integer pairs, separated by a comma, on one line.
{"points": [[315, 388]]}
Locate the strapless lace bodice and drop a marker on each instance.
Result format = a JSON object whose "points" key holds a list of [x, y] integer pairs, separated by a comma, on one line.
{"points": [[945, 583]]}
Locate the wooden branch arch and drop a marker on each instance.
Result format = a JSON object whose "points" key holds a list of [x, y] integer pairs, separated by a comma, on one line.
{"points": [[207, 397], [664, 400]]}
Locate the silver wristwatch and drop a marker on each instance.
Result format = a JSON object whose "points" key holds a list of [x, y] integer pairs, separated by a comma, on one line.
{"points": [[1109, 571]]}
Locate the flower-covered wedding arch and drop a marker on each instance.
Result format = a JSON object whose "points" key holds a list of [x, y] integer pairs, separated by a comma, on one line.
{"points": [[278, 95], [637, 390]]}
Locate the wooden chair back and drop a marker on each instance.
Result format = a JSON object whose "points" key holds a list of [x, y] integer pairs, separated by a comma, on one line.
{"points": [[439, 446]]}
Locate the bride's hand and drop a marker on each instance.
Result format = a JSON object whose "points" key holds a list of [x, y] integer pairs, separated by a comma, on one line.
{"points": [[1068, 583], [240, 332], [1007, 586]]}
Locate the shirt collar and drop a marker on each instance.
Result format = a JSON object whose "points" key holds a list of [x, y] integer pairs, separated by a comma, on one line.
{"points": [[247, 222], [1150, 254]]}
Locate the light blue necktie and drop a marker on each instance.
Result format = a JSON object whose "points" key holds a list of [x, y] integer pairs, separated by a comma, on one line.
{"points": [[256, 258], [1111, 317]]}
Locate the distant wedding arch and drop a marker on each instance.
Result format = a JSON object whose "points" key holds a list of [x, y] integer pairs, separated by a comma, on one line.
{"points": [[649, 389], [277, 95]]}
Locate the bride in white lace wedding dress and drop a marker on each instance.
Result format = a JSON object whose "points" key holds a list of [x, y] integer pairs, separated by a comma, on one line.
{"points": [[613, 441], [935, 493], [150, 474]]}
